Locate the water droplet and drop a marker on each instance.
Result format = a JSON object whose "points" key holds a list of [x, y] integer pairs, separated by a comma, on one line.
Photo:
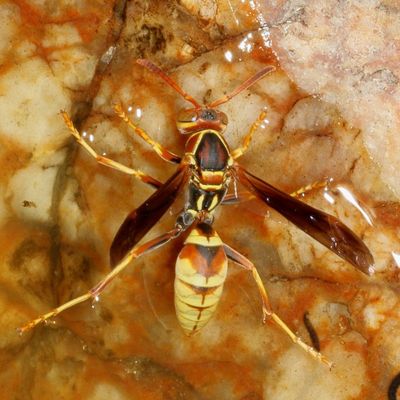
{"points": [[228, 56]]}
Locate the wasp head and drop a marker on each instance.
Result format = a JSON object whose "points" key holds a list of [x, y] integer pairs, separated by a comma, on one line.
{"points": [[196, 119]]}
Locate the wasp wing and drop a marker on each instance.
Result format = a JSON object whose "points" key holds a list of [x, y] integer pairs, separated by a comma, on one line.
{"points": [[141, 220], [325, 228]]}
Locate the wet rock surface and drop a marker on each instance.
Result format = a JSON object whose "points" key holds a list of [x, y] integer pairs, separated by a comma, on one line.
{"points": [[331, 117]]}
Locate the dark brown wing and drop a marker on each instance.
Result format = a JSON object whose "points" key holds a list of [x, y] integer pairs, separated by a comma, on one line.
{"points": [[323, 227], [141, 220]]}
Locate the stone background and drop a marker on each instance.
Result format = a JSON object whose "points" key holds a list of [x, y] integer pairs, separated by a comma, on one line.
{"points": [[332, 114]]}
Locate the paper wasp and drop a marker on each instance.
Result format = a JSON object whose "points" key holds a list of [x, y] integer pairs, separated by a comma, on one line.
{"points": [[207, 169]]}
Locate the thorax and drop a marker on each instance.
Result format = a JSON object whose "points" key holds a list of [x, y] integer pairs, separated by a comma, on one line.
{"points": [[209, 155]]}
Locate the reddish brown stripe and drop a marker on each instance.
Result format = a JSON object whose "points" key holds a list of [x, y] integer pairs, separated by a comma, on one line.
{"points": [[203, 291], [198, 308], [211, 153], [172, 157], [207, 261], [192, 143], [198, 316], [211, 178], [205, 229], [201, 125]]}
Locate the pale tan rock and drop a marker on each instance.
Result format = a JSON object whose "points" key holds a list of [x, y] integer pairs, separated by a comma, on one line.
{"points": [[330, 116]]}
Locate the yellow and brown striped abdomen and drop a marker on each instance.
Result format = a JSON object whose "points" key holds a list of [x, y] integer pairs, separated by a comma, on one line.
{"points": [[200, 274]]}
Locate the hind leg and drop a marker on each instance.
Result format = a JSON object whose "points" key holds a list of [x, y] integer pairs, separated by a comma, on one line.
{"points": [[267, 309], [95, 291]]}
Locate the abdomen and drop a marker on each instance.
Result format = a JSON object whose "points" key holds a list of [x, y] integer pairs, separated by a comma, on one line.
{"points": [[200, 273]]}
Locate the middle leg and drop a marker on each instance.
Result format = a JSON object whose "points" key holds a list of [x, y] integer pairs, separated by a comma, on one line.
{"points": [[242, 196], [309, 188]]}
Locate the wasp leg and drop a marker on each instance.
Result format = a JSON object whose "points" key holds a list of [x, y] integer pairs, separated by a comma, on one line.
{"points": [[236, 198], [164, 153], [238, 258], [95, 291], [107, 161], [247, 139], [309, 188]]}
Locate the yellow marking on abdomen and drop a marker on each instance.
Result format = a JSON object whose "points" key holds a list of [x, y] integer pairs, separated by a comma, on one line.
{"points": [[199, 203], [198, 288], [197, 237]]}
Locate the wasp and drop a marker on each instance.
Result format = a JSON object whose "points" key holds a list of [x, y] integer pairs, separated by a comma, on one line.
{"points": [[207, 169]]}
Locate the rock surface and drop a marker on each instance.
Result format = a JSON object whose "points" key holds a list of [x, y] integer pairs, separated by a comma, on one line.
{"points": [[332, 109]]}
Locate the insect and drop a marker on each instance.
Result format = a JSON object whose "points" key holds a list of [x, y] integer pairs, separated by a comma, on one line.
{"points": [[394, 387], [28, 203], [207, 169]]}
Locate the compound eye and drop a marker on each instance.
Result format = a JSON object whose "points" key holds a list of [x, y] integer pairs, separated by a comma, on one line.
{"points": [[185, 116], [223, 118]]}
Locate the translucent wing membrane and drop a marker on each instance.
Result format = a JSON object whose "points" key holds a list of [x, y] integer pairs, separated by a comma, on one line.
{"points": [[323, 227], [141, 220]]}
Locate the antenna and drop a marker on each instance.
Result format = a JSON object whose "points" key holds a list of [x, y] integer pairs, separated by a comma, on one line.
{"points": [[246, 84], [153, 68]]}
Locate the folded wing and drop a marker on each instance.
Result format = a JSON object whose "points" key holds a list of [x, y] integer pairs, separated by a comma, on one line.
{"points": [[325, 228], [141, 220]]}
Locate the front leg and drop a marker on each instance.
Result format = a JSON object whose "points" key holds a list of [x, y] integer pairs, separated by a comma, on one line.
{"points": [[162, 152], [107, 161]]}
